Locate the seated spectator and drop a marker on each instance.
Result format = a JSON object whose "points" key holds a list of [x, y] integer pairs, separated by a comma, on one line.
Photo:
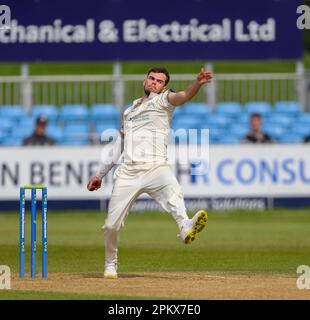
{"points": [[307, 139], [38, 137], [256, 135]]}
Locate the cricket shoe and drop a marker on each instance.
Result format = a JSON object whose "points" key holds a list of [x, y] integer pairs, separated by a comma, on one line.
{"points": [[191, 227], [110, 270]]}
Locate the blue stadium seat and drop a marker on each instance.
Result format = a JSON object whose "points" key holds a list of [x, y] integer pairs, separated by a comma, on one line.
{"points": [[243, 119], [76, 134], [195, 108], [5, 125], [76, 128], [27, 122], [239, 130], [300, 130], [186, 122], [3, 135], [274, 131], [12, 112], [290, 138], [10, 141], [115, 124], [104, 112], [102, 126], [288, 107], [49, 111], [179, 111], [71, 113], [229, 139], [304, 119], [216, 120], [232, 109], [215, 134], [55, 132], [22, 132], [277, 119], [262, 108]]}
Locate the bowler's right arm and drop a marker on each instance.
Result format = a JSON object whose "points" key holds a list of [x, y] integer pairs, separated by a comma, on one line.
{"points": [[111, 157]]}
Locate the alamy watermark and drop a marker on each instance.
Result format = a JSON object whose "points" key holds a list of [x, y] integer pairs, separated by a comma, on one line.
{"points": [[149, 146], [5, 277], [5, 17], [303, 21], [303, 281]]}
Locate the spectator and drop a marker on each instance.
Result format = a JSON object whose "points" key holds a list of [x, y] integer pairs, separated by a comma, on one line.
{"points": [[38, 137], [256, 135]]}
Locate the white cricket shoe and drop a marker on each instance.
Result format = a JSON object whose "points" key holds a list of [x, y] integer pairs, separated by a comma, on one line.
{"points": [[191, 227], [110, 271]]}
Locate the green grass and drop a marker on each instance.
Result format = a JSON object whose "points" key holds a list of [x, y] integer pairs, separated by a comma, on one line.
{"points": [[237, 241], [242, 242], [142, 67], [33, 295]]}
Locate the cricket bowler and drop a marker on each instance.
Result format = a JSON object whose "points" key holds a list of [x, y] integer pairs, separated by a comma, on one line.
{"points": [[142, 147]]}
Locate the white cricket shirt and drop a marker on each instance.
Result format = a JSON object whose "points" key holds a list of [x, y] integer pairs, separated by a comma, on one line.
{"points": [[147, 127]]}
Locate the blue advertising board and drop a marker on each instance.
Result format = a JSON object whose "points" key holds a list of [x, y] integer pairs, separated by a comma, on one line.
{"points": [[108, 30]]}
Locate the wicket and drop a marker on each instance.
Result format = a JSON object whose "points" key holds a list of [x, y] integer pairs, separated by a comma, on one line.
{"points": [[33, 231]]}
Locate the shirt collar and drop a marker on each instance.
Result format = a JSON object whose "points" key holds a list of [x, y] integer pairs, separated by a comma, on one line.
{"points": [[150, 96]]}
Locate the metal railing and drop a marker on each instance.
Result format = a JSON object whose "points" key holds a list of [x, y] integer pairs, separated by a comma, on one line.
{"points": [[84, 89]]}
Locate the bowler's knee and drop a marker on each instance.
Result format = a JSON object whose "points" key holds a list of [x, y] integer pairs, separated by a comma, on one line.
{"points": [[110, 228]]}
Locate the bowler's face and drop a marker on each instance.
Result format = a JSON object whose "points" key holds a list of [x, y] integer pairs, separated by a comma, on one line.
{"points": [[155, 82]]}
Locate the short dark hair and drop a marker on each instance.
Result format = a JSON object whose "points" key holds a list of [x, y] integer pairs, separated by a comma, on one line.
{"points": [[161, 70], [256, 115], [42, 120]]}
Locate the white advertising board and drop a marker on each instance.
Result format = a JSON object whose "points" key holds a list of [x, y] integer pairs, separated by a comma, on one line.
{"points": [[224, 171]]}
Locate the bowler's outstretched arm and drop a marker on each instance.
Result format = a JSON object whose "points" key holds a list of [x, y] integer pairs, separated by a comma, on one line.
{"points": [[179, 98]]}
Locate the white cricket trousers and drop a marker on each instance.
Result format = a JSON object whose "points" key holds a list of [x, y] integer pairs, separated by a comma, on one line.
{"points": [[159, 182]]}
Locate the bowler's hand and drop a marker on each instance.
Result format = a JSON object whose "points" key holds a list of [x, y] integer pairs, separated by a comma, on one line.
{"points": [[204, 77], [94, 184]]}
